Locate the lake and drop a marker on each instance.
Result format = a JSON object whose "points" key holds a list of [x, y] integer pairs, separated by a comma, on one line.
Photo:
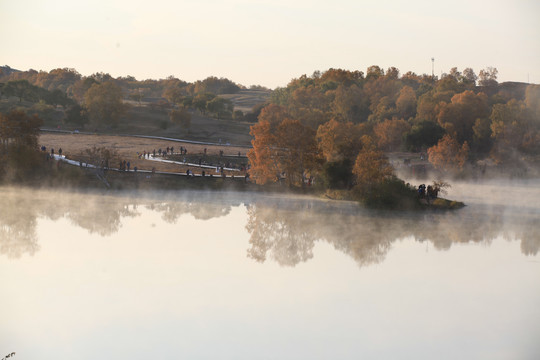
{"points": [[194, 275]]}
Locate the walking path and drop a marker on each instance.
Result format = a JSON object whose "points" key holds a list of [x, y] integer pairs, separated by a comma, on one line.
{"points": [[87, 165], [189, 164]]}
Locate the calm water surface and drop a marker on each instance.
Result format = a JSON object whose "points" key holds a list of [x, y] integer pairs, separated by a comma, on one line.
{"points": [[244, 276]]}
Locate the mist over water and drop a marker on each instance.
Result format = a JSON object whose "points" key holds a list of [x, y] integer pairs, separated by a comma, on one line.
{"points": [[239, 275]]}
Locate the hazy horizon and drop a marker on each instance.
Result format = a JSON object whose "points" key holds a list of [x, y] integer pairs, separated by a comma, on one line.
{"points": [[269, 43]]}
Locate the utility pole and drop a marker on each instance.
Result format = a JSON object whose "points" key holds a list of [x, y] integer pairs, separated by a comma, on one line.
{"points": [[433, 68]]}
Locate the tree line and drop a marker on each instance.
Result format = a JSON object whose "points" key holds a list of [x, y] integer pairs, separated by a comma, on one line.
{"points": [[336, 124], [101, 99]]}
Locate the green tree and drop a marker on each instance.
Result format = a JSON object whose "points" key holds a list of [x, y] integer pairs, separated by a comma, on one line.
{"points": [[220, 107], [76, 115], [21, 89], [104, 103], [18, 144], [423, 135]]}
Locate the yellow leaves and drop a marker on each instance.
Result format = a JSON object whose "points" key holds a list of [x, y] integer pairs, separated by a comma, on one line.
{"points": [[371, 166]]}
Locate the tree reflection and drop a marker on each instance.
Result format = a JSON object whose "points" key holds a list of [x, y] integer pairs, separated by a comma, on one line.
{"points": [[289, 235], [98, 214], [282, 230], [17, 230], [171, 211]]}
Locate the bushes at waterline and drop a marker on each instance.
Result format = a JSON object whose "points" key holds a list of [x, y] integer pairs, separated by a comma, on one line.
{"points": [[390, 193]]}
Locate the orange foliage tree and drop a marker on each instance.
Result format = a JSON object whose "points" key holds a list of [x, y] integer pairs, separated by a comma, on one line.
{"points": [[281, 144], [460, 115], [406, 102], [390, 133], [297, 148], [448, 155], [338, 140], [371, 167]]}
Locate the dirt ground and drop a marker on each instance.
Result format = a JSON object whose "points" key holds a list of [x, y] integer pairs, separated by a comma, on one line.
{"points": [[73, 145]]}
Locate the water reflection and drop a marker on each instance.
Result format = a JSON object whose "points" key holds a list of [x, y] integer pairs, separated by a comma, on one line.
{"points": [[288, 236], [280, 229]]}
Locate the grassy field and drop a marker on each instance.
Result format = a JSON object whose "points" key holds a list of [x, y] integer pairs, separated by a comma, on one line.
{"points": [[142, 119], [246, 99]]}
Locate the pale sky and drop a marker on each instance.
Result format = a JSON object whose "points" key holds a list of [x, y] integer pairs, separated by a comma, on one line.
{"points": [[269, 42]]}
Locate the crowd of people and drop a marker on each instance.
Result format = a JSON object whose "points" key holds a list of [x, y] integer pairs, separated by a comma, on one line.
{"points": [[429, 193], [125, 165]]}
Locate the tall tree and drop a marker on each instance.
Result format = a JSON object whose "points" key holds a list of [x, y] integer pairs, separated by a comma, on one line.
{"points": [[286, 147], [488, 76]]}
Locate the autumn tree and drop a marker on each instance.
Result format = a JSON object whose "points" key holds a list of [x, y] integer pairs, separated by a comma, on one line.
{"points": [[371, 169], [390, 133], [80, 88], [281, 145], [338, 140], [298, 155], [339, 143], [459, 116], [263, 155], [448, 155], [514, 127], [350, 104], [406, 103], [274, 114], [309, 105], [19, 129], [104, 103]]}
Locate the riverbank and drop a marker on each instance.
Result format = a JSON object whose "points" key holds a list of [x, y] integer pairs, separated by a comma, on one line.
{"points": [[57, 172]]}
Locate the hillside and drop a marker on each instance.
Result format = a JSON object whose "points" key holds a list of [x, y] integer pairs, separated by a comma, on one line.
{"points": [[246, 99]]}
